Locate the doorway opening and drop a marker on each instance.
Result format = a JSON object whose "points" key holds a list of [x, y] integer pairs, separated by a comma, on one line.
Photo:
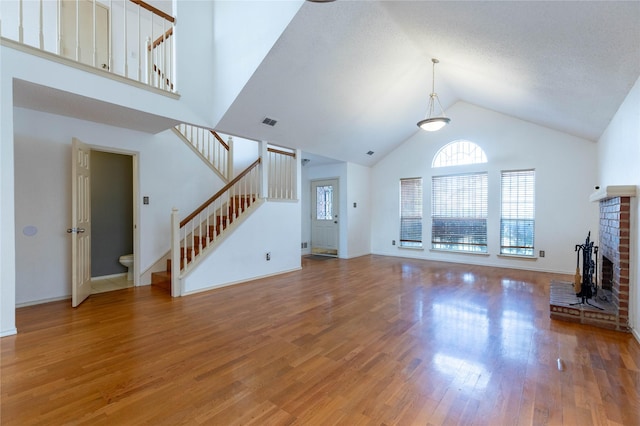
{"points": [[110, 173], [112, 220]]}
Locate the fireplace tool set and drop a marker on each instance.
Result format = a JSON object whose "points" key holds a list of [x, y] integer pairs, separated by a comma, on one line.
{"points": [[586, 287]]}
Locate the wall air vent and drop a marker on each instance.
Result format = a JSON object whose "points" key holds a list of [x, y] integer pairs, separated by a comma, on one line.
{"points": [[269, 121]]}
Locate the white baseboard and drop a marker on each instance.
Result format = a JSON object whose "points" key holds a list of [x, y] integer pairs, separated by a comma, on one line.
{"points": [[109, 277], [635, 334], [41, 301], [214, 287], [9, 332]]}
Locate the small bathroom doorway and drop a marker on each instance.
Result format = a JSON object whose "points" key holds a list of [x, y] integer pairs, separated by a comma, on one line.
{"points": [[112, 219]]}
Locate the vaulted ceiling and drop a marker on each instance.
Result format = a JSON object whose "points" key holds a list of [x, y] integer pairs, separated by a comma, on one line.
{"points": [[348, 77]]}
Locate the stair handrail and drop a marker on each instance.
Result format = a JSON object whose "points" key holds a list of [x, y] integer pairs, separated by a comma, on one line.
{"points": [[210, 147], [154, 10], [211, 221], [219, 194]]}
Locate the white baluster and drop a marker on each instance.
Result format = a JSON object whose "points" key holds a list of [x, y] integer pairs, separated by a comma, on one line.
{"points": [[126, 60], [94, 56], [77, 30], [110, 41], [139, 44], [20, 28], [199, 234], [149, 54], [41, 31], [164, 55], [175, 251]]}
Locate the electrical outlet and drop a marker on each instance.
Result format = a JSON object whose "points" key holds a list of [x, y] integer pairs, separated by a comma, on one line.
{"points": [[393, 242], [268, 256], [542, 253]]}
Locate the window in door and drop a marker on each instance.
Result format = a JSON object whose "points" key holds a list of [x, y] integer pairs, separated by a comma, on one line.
{"points": [[324, 200]]}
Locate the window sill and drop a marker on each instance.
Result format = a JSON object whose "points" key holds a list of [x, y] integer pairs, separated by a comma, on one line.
{"points": [[460, 252], [411, 248], [517, 256]]}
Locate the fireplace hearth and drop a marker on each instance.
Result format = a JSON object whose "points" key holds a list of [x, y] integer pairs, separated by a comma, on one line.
{"points": [[613, 276]]}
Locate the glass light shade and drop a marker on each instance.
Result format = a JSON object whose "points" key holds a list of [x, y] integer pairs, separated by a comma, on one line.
{"points": [[434, 123]]}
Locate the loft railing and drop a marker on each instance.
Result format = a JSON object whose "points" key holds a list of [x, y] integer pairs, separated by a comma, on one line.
{"points": [[282, 172], [210, 147], [130, 38]]}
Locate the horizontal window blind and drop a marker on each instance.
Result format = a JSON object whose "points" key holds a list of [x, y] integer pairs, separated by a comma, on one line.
{"points": [[411, 212], [517, 213], [459, 212]]}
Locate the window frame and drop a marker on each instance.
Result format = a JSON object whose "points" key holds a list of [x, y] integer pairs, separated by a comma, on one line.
{"points": [[476, 214], [417, 199], [520, 211]]}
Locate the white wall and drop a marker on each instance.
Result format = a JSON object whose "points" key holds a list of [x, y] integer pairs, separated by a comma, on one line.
{"points": [[7, 224], [244, 32], [358, 220], [565, 177], [169, 173], [274, 227], [194, 57], [618, 160], [354, 223]]}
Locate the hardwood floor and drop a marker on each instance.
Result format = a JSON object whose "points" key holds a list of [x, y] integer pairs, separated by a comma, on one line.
{"points": [[372, 340]]}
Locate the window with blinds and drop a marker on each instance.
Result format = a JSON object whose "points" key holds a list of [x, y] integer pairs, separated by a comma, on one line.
{"points": [[411, 212], [517, 213], [459, 212]]}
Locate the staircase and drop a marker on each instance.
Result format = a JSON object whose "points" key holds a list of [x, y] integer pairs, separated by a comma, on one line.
{"points": [[203, 229]]}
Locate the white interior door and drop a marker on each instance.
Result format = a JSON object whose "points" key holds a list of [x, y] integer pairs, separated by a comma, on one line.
{"points": [[80, 223], [79, 45], [324, 217]]}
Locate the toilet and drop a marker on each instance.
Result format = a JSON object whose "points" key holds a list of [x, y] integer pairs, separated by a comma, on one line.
{"points": [[127, 260]]}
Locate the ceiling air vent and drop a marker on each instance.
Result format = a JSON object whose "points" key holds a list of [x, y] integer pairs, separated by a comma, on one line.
{"points": [[269, 121]]}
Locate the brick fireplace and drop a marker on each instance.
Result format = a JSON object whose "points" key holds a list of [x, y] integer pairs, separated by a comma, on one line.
{"points": [[614, 253], [613, 271]]}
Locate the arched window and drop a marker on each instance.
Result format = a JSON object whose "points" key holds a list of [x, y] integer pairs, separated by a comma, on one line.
{"points": [[458, 153]]}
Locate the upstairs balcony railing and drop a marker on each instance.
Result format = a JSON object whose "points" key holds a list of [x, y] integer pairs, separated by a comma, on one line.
{"points": [[131, 38]]}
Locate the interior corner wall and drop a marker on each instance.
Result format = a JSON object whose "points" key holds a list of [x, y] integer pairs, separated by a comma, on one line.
{"points": [[618, 158], [168, 173], [358, 219], [565, 178], [243, 33], [194, 47], [7, 218]]}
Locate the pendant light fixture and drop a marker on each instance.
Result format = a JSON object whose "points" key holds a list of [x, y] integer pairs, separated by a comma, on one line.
{"points": [[434, 122]]}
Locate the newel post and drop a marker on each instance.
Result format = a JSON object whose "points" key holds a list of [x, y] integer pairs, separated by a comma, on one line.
{"points": [[175, 253]]}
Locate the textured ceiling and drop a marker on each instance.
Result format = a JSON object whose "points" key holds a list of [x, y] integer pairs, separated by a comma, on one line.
{"points": [[352, 76]]}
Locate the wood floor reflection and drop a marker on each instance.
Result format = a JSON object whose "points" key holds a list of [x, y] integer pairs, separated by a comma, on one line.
{"points": [[372, 340]]}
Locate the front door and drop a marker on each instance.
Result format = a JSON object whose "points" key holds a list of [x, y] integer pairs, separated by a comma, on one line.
{"points": [[80, 222], [324, 217]]}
